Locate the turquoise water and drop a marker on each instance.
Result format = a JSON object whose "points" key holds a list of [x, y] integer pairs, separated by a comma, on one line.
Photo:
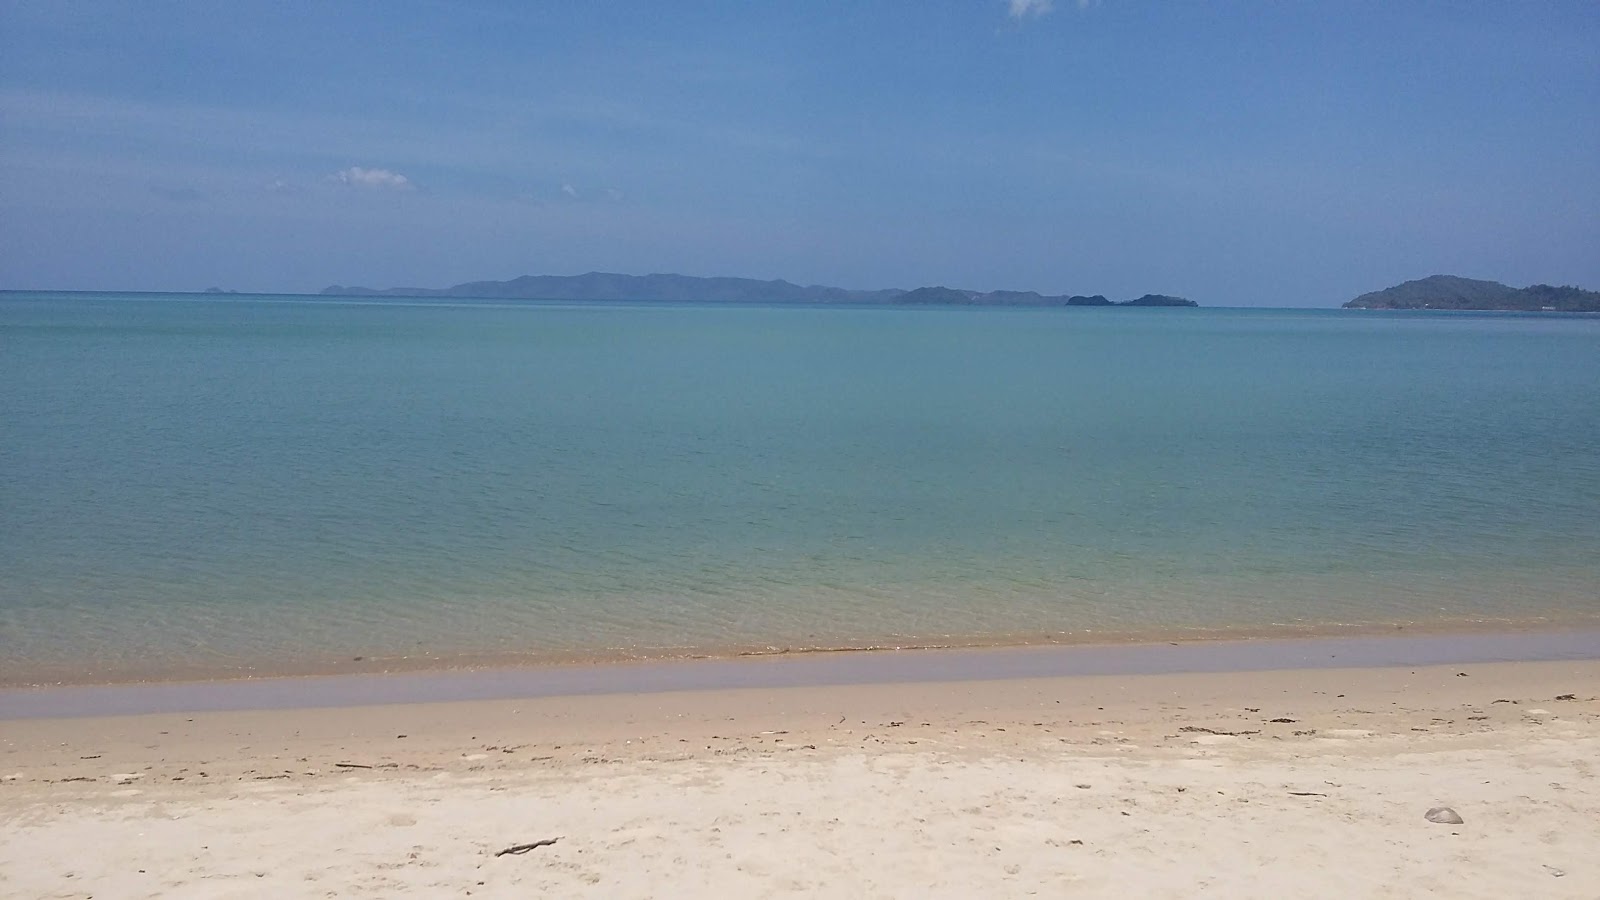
{"points": [[193, 486]]}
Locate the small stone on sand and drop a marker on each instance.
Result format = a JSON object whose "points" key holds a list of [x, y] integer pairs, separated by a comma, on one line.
{"points": [[1444, 815]]}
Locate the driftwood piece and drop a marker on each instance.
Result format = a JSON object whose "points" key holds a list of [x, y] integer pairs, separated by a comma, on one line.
{"points": [[519, 849], [351, 766]]}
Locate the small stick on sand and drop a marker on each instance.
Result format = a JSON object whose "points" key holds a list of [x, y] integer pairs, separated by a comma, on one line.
{"points": [[351, 766], [1217, 731], [519, 849]]}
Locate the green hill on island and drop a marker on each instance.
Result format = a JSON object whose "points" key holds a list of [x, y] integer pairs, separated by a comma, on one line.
{"points": [[1453, 292], [690, 289]]}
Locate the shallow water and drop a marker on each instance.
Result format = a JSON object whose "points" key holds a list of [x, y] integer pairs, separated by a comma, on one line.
{"points": [[193, 485]]}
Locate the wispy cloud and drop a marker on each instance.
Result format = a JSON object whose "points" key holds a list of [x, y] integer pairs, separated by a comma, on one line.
{"points": [[1022, 9], [570, 191], [377, 179]]}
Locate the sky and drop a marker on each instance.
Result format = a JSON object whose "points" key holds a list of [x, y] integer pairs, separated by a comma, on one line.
{"points": [[1240, 154]]}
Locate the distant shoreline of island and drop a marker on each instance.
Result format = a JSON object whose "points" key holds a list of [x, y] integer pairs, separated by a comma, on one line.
{"points": [[692, 289], [1452, 292]]}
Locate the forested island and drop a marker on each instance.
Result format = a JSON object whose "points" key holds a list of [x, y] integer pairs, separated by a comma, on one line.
{"points": [[690, 289], [1453, 292]]}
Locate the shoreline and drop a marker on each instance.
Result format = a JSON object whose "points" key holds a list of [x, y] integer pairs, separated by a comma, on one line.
{"points": [[815, 668], [32, 673], [1312, 782]]}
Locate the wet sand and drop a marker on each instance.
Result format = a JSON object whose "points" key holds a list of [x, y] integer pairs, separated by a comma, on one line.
{"points": [[1397, 648], [1300, 779]]}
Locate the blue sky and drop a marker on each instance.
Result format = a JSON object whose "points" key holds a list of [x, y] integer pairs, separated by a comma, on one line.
{"points": [[1278, 154]]}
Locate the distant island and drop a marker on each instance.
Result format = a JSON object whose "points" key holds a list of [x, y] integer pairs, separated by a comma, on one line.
{"points": [[690, 289], [1452, 292]]}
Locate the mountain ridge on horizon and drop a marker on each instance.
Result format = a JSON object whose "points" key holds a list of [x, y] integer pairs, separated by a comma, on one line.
{"points": [[725, 289]]}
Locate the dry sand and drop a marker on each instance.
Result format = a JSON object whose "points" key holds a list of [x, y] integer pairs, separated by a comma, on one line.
{"points": [[1306, 783]]}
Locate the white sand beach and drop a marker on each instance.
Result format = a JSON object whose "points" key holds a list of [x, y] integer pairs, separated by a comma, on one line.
{"points": [[1304, 783]]}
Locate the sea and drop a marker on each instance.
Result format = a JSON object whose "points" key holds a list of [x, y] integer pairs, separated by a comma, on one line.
{"points": [[194, 486]]}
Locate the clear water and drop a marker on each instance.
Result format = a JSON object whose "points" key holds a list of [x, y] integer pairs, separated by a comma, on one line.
{"points": [[195, 485]]}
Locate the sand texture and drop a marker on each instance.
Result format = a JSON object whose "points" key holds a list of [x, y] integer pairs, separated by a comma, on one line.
{"points": [[1277, 784]]}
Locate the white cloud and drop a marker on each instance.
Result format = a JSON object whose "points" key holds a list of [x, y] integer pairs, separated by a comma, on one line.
{"points": [[1021, 9], [381, 179], [570, 191]]}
